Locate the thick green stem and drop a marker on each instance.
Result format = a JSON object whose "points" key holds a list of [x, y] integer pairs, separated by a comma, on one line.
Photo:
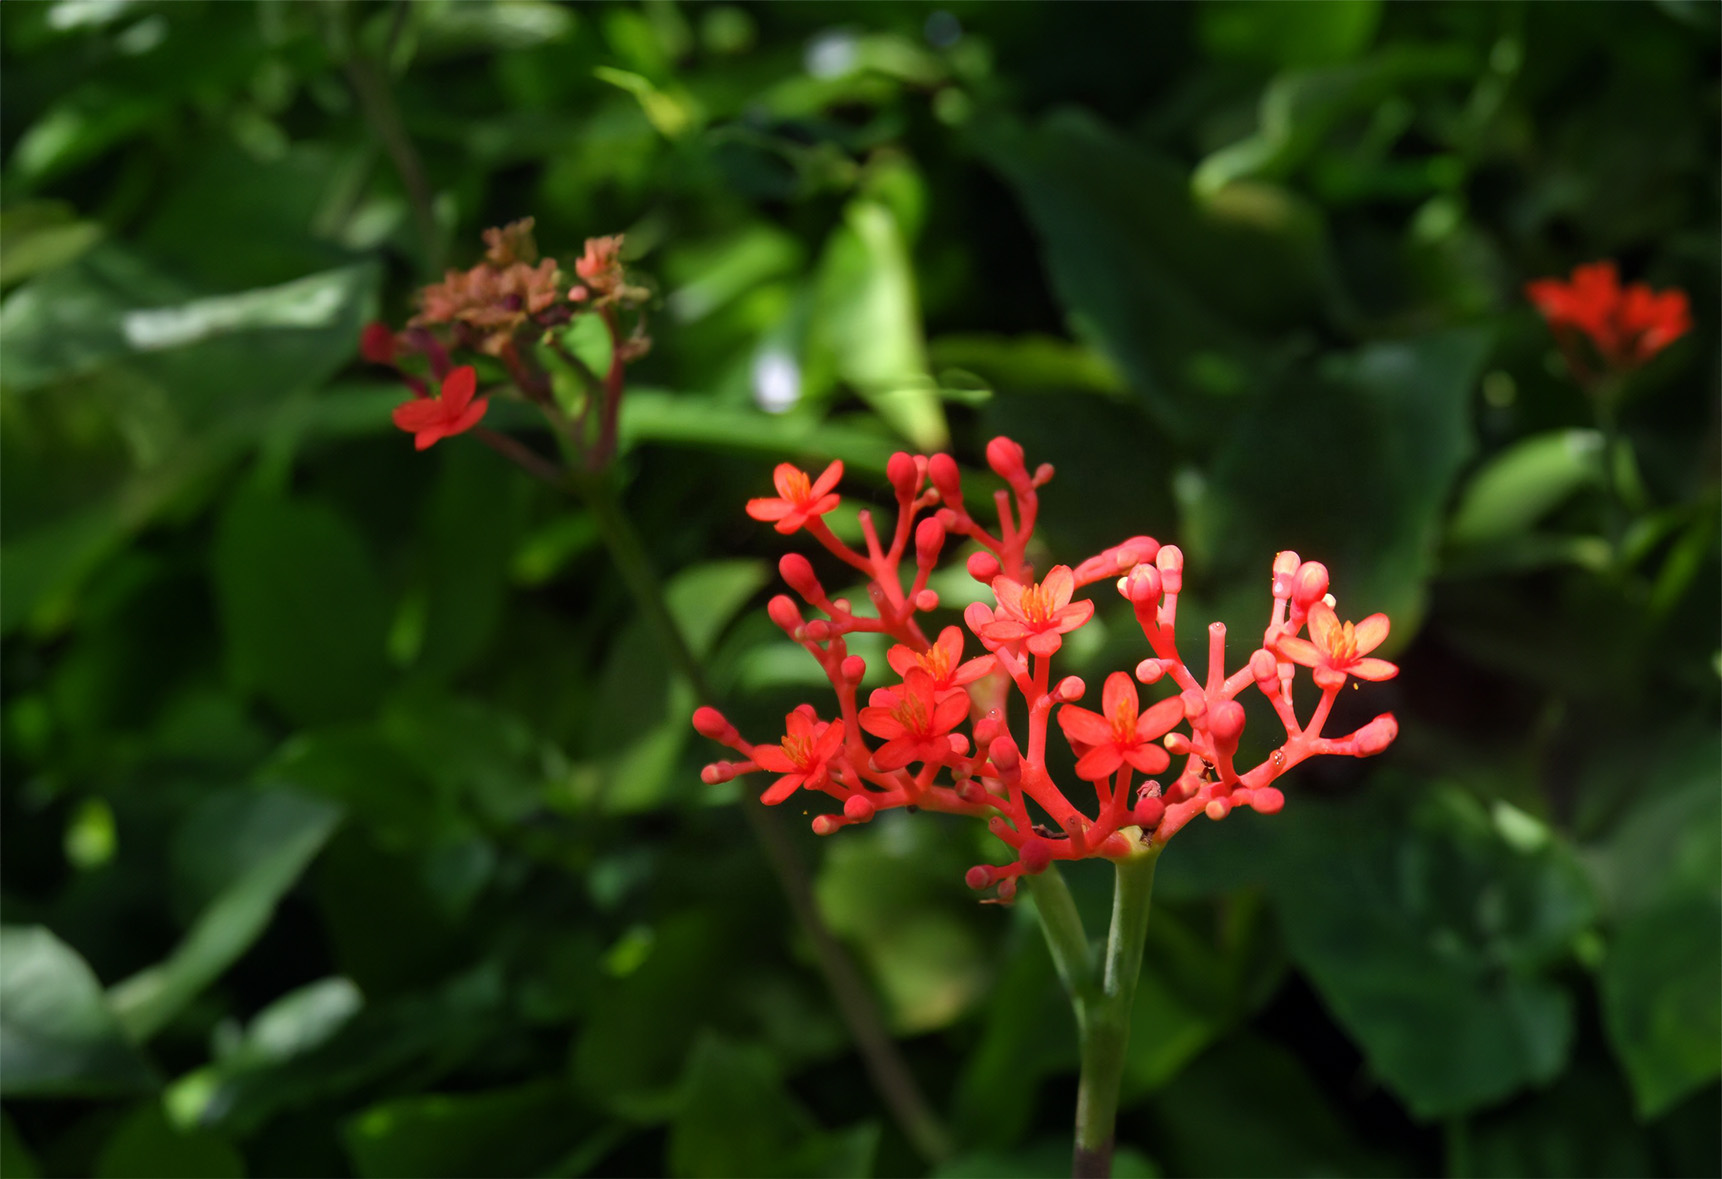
{"points": [[1104, 1020], [855, 1003], [1065, 936]]}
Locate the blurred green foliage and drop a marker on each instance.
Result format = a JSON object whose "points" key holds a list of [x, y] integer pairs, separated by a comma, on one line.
{"points": [[352, 824]]}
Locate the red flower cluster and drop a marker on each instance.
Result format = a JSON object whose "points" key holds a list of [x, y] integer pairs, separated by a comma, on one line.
{"points": [[943, 738], [509, 301], [1625, 327]]}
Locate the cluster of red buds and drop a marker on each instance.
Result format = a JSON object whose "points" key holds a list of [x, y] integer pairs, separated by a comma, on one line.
{"points": [[502, 307], [907, 745], [1624, 327]]}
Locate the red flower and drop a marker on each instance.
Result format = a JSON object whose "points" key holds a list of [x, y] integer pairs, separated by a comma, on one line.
{"points": [[913, 721], [377, 343], [1628, 327], [1121, 735], [430, 419], [804, 758], [1336, 650], [1038, 613], [942, 661], [798, 500]]}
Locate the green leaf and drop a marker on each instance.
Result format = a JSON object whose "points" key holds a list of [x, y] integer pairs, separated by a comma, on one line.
{"points": [[39, 236], [868, 323], [287, 832], [738, 1119], [894, 890], [1432, 940], [148, 1146], [1392, 422], [1203, 1128], [1572, 1128], [58, 1036], [301, 606], [473, 522], [1662, 999], [1290, 33], [639, 725], [1300, 107], [1523, 483], [684, 420], [517, 1131], [16, 1161]]}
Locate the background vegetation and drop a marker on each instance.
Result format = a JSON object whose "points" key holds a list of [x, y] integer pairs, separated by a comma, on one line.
{"points": [[352, 821]]}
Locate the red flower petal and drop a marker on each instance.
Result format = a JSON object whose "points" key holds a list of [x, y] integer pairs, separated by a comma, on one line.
{"points": [[773, 758], [1100, 762], [1148, 759], [1160, 719], [894, 755], [950, 712], [782, 789], [414, 416], [1119, 693], [827, 480], [881, 723], [1373, 669], [1370, 632], [1079, 724], [1060, 583], [1300, 651], [769, 509], [458, 388]]}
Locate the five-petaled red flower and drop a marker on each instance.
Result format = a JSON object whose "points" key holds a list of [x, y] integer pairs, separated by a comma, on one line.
{"points": [[943, 661], [798, 500], [913, 720], [804, 758], [1121, 735], [429, 419], [1627, 326], [1335, 649], [1038, 613]]}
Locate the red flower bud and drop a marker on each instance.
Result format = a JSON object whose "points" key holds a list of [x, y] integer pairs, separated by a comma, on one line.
{"points": [[1217, 808], [712, 724], [1035, 854], [1148, 812], [798, 573], [1170, 561], [947, 479], [858, 808], [826, 824], [1226, 721], [904, 474], [1285, 571], [978, 877], [1265, 668], [853, 668], [983, 567], [1005, 458], [1310, 585], [783, 612], [377, 343], [1142, 585], [1377, 735], [1266, 800], [1070, 688], [927, 600], [929, 539]]}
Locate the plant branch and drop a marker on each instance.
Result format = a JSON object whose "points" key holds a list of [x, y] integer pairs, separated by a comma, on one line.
{"points": [[855, 1003]]}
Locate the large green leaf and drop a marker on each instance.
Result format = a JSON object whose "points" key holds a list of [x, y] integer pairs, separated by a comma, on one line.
{"points": [[301, 606], [276, 836], [1353, 468], [1524, 482], [58, 1035], [1432, 937], [515, 1131], [738, 1119], [894, 890], [149, 1146]]}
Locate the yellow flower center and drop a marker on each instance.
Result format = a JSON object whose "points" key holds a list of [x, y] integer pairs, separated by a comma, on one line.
{"points": [[1037, 605], [1124, 723], [798, 750], [800, 487], [1342, 643], [911, 713], [936, 662]]}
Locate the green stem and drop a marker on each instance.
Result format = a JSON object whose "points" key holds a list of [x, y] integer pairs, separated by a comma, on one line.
{"points": [[1065, 936], [1104, 1020], [855, 1003]]}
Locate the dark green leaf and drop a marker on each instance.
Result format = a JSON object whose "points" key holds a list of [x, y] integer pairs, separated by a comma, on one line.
{"points": [[148, 1146], [57, 1033]]}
